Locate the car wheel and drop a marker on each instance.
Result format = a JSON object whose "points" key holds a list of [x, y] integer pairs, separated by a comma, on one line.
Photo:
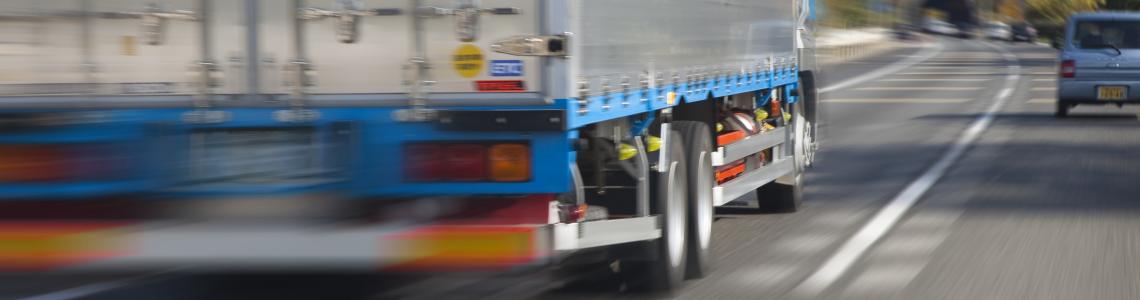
{"points": [[1062, 110]]}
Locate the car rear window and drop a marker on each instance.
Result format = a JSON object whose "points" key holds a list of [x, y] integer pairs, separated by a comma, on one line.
{"points": [[1122, 34]]}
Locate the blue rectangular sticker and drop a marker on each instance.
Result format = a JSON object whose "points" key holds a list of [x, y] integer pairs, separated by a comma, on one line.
{"points": [[504, 68]]}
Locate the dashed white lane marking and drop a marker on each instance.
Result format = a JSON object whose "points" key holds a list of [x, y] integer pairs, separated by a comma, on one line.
{"points": [[926, 53], [1041, 101], [896, 101], [935, 79], [919, 88], [888, 216]]}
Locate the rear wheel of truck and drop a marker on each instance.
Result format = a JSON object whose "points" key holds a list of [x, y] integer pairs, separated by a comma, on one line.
{"points": [[666, 271], [808, 101], [698, 153], [786, 193]]}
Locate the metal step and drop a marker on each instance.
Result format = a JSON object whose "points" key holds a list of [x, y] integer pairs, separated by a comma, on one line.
{"points": [[590, 234], [748, 146], [751, 180]]}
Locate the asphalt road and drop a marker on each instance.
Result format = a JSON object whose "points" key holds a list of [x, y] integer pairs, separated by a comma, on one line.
{"points": [[1033, 208]]}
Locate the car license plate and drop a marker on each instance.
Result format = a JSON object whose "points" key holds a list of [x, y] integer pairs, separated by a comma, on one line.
{"points": [[255, 155], [1111, 92]]}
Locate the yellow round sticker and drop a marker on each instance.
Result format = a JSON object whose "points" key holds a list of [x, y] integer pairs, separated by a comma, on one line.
{"points": [[467, 60]]}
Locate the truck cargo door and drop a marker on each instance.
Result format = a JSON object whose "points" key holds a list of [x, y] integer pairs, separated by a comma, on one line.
{"points": [[349, 46], [455, 38], [162, 47], [42, 48]]}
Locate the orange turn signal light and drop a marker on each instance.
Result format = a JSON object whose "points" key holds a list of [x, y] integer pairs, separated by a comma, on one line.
{"points": [[510, 162]]}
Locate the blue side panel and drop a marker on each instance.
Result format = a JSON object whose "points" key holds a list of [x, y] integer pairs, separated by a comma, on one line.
{"points": [[623, 104], [374, 168]]}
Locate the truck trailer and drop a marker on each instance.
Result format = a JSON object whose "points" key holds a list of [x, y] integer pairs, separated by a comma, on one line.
{"points": [[396, 135]]}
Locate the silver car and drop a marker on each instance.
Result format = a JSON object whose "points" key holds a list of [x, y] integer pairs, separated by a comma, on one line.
{"points": [[1099, 60]]}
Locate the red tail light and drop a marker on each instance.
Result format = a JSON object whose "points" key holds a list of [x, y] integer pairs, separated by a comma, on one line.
{"points": [[1068, 69], [42, 163], [468, 162], [31, 163], [422, 162]]}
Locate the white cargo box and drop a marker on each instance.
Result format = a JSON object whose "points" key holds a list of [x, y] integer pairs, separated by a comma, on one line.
{"points": [[361, 50]]}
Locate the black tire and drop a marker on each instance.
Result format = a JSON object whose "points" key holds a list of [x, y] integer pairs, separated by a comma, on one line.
{"points": [[1062, 110], [809, 101], [701, 180], [785, 195], [667, 270]]}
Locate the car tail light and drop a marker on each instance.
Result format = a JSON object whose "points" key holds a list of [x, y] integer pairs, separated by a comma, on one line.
{"points": [[1068, 69], [466, 162], [510, 162]]}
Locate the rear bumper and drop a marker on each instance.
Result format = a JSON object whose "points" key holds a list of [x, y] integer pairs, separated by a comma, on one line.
{"points": [[121, 247], [1073, 91]]}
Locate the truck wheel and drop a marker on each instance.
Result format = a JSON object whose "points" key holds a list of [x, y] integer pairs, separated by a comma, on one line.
{"points": [[786, 193], [698, 154], [667, 270], [1062, 110], [808, 105]]}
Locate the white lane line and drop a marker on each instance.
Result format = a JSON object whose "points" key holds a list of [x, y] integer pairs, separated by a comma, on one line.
{"points": [[1044, 89], [935, 80], [919, 88], [896, 101], [1041, 101], [926, 53], [1044, 79], [885, 219]]}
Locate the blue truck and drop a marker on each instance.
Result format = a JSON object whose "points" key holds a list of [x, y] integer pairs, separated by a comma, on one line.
{"points": [[396, 135]]}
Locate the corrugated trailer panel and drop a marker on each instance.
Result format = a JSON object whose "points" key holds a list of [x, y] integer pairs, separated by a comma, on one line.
{"points": [[626, 39], [103, 47], [117, 47]]}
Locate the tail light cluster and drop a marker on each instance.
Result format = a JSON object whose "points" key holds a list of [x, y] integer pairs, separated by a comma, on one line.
{"points": [[26, 163], [467, 162], [1068, 69]]}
